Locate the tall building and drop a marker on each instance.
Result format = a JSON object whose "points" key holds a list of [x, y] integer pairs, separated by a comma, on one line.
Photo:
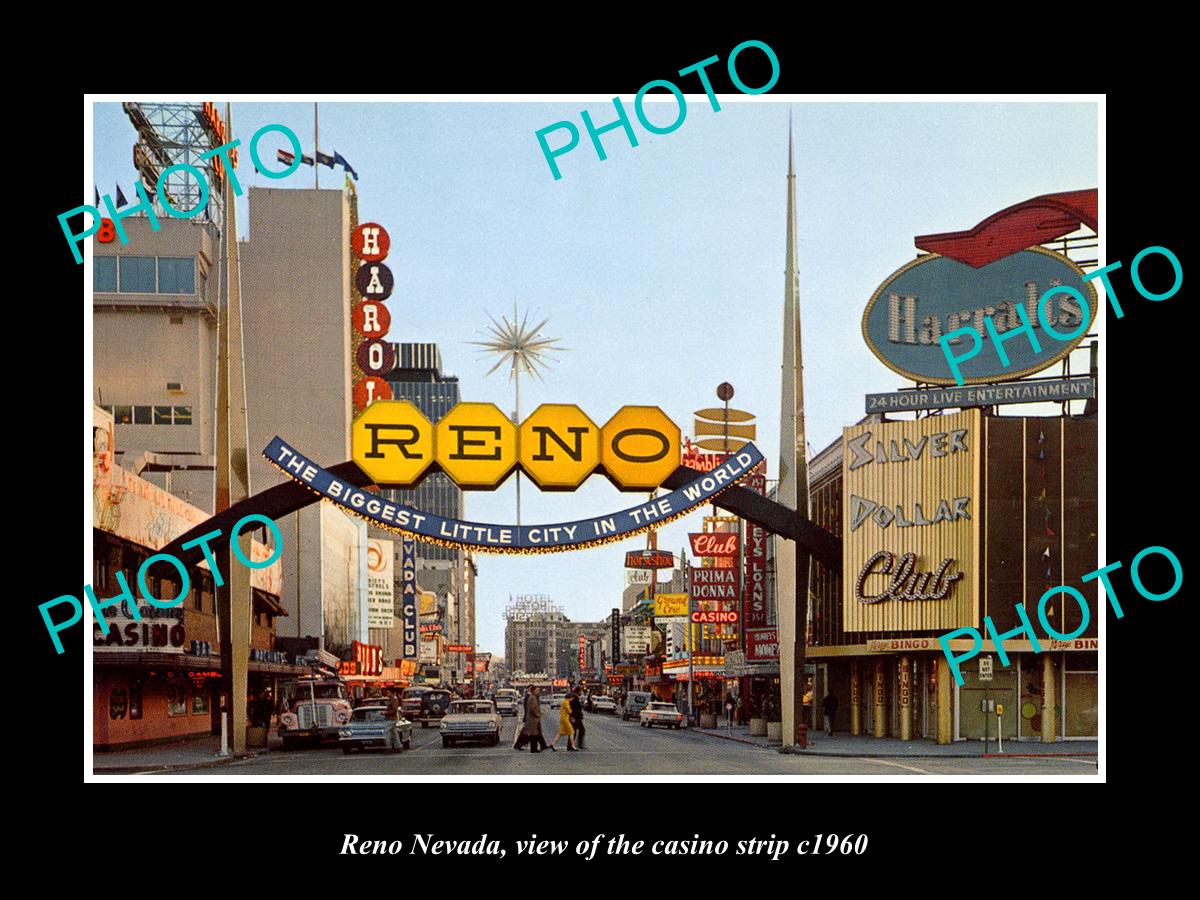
{"points": [[547, 641], [296, 269], [154, 329], [418, 378], [450, 574]]}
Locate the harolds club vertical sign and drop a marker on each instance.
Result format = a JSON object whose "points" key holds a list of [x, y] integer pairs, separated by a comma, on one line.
{"points": [[374, 357], [754, 597]]}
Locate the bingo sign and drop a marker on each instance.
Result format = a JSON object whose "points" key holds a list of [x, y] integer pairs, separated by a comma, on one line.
{"points": [[374, 357]]}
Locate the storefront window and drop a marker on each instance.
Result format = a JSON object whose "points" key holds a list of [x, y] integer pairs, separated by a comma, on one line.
{"points": [[1081, 695], [118, 703], [176, 698], [135, 700], [199, 702]]}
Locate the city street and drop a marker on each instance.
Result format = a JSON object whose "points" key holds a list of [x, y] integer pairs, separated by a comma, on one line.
{"points": [[614, 747]]}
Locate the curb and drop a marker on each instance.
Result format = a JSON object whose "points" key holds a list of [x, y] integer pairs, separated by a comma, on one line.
{"points": [[730, 737], [1036, 755], [182, 767], [844, 755]]}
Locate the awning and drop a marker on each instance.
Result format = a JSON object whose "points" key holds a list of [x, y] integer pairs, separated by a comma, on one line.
{"points": [[151, 660]]}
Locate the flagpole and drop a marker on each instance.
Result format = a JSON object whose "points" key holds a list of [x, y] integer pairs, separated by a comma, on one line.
{"points": [[316, 144]]}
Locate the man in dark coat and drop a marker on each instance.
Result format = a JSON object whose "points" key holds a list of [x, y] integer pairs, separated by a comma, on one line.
{"points": [[577, 719], [531, 727]]}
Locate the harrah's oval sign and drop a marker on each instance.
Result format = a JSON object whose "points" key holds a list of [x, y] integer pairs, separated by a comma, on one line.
{"points": [[934, 295]]}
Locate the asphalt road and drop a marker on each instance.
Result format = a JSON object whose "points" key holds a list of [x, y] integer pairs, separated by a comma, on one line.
{"points": [[619, 748]]}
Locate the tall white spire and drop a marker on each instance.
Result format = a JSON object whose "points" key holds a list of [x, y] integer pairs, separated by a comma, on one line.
{"points": [[791, 562]]}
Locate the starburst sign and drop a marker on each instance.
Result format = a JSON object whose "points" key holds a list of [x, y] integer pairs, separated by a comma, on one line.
{"points": [[522, 347]]}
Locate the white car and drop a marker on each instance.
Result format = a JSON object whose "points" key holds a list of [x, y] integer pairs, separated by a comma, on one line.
{"points": [[470, 720], [508, 702], [661, 714], [604, 705]]}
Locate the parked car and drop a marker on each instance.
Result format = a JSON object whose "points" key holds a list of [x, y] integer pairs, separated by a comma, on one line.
{"points": [[410, 701], [371, 726], [602, 704], [657, 713], [507, 702], [635, 702], [471, 720], [433, 706]]}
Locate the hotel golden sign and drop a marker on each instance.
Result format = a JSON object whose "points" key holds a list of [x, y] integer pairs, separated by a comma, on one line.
{"points": [[911, 523], [558, 446]]}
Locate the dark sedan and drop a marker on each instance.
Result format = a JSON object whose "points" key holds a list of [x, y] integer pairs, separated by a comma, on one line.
{"points": [[372, 726]]}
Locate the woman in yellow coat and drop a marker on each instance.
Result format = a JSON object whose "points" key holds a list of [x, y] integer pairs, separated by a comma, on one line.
{"points": [[564, 724]]}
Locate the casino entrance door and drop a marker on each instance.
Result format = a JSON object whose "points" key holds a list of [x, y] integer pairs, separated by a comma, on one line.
{"points": [[900, 696]]}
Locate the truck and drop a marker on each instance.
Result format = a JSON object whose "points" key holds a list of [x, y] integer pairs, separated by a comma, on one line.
{"points": [[312, 710]]}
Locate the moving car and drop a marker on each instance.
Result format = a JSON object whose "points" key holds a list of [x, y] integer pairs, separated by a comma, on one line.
{"points": [[471, 720], [410, 701], [371, 726], [507, 701], [635, 702], [602, 704], [433, 705], [657, 713]]}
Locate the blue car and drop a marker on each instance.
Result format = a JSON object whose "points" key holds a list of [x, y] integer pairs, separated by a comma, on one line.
{"points": [[371, 726]]}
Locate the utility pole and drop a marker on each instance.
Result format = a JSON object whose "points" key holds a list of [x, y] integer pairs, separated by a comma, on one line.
{"points": [[232, 477]]}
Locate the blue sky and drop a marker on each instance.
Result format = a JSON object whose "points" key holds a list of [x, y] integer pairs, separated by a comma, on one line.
{"points": [[661, 268]]}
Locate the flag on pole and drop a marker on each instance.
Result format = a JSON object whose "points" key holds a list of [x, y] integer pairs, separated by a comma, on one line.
{"points": [[307, 160], [324, 159], [285, 156], [341, 161]]}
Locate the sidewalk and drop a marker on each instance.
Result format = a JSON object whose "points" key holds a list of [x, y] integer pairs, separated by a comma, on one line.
{"points": [[199, 753], [842, 744]]}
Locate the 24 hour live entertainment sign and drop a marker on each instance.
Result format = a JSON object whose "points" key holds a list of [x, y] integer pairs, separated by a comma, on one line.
{"points": [[1081, 388]]}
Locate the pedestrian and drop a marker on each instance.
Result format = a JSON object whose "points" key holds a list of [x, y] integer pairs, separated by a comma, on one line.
{"points": [[393, 707], [564, 724], [739, 711], [533, 721], [729, 711], [577, 719], [531, 726], [831, 703]]}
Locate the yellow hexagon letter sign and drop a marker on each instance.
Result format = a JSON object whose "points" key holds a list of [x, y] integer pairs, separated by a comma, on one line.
{"points": [[560, 446], [477, 445], [639, 448], [392, 442]]}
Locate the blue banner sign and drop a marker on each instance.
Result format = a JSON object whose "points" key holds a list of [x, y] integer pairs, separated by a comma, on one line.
{"points": [[934, 295], [511, 538]]}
